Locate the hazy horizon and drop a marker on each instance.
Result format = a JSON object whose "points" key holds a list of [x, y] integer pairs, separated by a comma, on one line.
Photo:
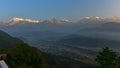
{"points": [[68, 9]]}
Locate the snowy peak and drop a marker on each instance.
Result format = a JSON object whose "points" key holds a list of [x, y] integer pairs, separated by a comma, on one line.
{"points": [[97, 17], [16, 20], [93, 18], [53, 20], [89, 20], [32, 21]]}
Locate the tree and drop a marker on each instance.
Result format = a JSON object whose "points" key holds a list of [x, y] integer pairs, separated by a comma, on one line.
{"points": [[107, 58]]}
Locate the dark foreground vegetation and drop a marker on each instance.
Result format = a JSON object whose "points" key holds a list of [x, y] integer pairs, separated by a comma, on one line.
{"points": [[108, 59]]}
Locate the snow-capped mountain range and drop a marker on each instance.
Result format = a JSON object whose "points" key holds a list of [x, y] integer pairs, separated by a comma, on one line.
{"points": [[98, 19], [16, 20], [53, 20]]}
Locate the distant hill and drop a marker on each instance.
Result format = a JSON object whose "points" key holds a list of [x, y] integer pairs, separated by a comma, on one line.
{"points": [[108, 30], [6, 41], [88, 41], [108, 26]]}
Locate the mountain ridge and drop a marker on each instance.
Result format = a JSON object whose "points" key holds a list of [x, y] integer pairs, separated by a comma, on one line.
{"points": [[53, 20]]}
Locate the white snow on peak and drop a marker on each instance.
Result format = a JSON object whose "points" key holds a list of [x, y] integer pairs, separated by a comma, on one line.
{"points": [[32, 21], [15, 19], [66, 20], [87, 17], [97, 17]]}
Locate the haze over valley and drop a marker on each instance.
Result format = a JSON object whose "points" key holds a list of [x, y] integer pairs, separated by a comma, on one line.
{"points": [[83, 38]]}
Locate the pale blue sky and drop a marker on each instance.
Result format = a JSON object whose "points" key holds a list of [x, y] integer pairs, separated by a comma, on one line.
{"points": [[70, 9]]}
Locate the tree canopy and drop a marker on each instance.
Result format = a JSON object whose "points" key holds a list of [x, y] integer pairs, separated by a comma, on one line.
{"points": [[108, 58], [24, 56]]}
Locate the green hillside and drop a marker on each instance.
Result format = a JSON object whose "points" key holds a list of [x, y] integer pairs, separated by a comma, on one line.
{"points": [[20, 54], [6, 41]]}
